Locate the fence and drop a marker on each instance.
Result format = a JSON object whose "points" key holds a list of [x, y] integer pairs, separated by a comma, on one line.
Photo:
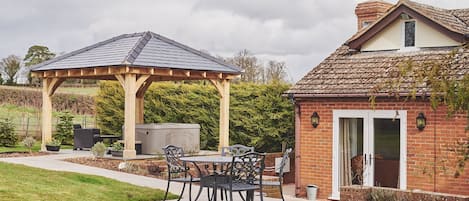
{"points": [[30, 125]]}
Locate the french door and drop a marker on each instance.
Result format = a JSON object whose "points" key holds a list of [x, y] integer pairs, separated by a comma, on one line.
{"points": [[369, 148]]}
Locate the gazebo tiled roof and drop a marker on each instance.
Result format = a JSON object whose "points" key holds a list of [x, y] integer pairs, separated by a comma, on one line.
{"points": [[145, 49]]}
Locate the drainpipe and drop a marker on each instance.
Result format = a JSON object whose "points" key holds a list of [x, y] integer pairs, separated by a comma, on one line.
{"points": [[297, 148]]}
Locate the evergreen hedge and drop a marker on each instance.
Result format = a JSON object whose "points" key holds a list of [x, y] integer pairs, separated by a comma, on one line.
{"points": [[259, 115]]}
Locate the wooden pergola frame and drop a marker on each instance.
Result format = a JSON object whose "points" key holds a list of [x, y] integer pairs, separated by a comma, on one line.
{"points": [[135, 80]]}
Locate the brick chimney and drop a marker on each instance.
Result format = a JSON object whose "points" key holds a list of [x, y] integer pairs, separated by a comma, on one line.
{"points": [[369, 11]]}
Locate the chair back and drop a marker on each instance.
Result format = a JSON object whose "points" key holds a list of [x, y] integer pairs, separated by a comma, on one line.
{"points": [[173, 154], [236, 150], [247, 168], [284, 161]]}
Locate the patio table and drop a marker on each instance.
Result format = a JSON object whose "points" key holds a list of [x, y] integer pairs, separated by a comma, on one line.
{"points": [[209, 180]]}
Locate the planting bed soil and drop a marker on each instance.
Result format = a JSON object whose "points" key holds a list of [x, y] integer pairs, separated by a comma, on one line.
{"points": [[22, 154], [144, 167]]}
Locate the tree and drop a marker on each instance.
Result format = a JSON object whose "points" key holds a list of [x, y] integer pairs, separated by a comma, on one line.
{"points": [[275, 72], [442, 83], [249, 63], [10, 66], [37, 54]]}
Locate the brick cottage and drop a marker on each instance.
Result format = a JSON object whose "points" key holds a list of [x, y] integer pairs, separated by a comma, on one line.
{"points": [[354, 144]]}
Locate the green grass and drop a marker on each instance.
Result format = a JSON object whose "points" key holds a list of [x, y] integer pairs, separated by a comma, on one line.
{"points": [[92, 91], [19, 183], [36, 148], [20, 115]]}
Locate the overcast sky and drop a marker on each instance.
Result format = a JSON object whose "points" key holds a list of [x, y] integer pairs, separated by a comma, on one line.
{"points": [[300, 32]]}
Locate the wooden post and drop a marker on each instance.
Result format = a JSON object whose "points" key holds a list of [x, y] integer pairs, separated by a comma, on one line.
{"points": [[140, 105], [129, 122], [139, 108], [49, 85], [131, 85], [223, 88]]}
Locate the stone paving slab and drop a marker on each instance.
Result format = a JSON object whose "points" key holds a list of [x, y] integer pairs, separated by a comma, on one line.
{"points": [[54, 162]]}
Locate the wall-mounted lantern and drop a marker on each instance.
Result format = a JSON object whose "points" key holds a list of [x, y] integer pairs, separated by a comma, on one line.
{"points": [[315, 119], [421, 121]]}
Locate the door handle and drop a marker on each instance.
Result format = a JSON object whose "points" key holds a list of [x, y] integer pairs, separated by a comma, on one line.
{"points": [[369, 159]]}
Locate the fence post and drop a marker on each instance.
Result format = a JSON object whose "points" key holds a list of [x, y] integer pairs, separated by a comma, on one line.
{"points": [[27, 126]]}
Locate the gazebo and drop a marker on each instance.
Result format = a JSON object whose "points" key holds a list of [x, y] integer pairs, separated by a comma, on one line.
{"points": [[135, 60]]}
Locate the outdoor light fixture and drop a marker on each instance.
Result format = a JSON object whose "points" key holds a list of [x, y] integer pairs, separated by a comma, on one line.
{"points": [[421, 121], [315, 119]]}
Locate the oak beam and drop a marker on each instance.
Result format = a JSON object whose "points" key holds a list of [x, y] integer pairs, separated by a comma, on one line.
{"points": [[49, 85], [130, 81], [121, 80], [223, 88], [140, 94]]}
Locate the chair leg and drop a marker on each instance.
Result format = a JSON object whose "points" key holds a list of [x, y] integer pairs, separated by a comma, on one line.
{"points": [[190, 190], [200, 191], [262, 194], [167, 189], [281, 192], [182, 192], [242, 197]]}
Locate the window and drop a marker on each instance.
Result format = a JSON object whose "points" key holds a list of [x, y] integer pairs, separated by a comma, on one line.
{"points": [[366, 24], [409, 34]]}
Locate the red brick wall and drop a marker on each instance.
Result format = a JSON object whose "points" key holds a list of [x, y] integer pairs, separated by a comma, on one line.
{"points": [[314, 145]]}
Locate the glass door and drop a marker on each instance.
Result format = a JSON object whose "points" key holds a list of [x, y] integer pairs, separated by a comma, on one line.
{"points": [[369, 148], [351, 151], [385, 158]]}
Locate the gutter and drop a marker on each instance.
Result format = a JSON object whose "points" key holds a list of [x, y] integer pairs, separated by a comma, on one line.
{"points": [[350, 95]]}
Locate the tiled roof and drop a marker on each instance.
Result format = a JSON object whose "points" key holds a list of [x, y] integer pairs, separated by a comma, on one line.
{"points": [[456, 20], [442, 16], [145, 49], [350, 73]]}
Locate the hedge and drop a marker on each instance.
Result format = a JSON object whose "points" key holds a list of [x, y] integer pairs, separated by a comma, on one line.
{"points": [[259, 115], [79, 104]]}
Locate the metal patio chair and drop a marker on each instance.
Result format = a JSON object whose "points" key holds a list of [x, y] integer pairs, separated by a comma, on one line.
{"points": [[236, 150], [233, 150], [280, 173], [177, 168], [245, 174]]}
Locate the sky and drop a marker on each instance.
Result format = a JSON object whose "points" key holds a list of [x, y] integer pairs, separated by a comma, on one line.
{"points": [[299, 32]]}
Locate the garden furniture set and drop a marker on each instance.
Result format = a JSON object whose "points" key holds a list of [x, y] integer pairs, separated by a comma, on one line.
{"points": [[237, 169]]}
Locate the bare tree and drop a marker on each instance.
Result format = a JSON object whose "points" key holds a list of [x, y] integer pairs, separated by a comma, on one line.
{"points": [[275, 71], [249, 63], [10, 66]]}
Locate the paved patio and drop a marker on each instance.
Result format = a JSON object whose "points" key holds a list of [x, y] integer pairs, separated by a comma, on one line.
{"points": [[55, 162]]}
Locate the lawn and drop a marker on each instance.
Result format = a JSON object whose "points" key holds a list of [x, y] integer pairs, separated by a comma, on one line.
{"points": [[21, 148], [19, 183], [91, 91]]}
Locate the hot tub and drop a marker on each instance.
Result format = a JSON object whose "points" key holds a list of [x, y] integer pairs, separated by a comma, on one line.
{"points": [[155, 136]]}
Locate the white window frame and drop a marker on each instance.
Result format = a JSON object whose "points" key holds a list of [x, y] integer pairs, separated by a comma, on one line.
{"points": [[408, 48], [368, 116]]}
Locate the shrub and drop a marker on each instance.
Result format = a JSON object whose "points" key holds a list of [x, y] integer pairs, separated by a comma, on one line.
{"points": [[64, 129], [382, 195], [259, 115], [29, 142], [98, 149], [8, 136], [54, 142], [117, 146]]}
